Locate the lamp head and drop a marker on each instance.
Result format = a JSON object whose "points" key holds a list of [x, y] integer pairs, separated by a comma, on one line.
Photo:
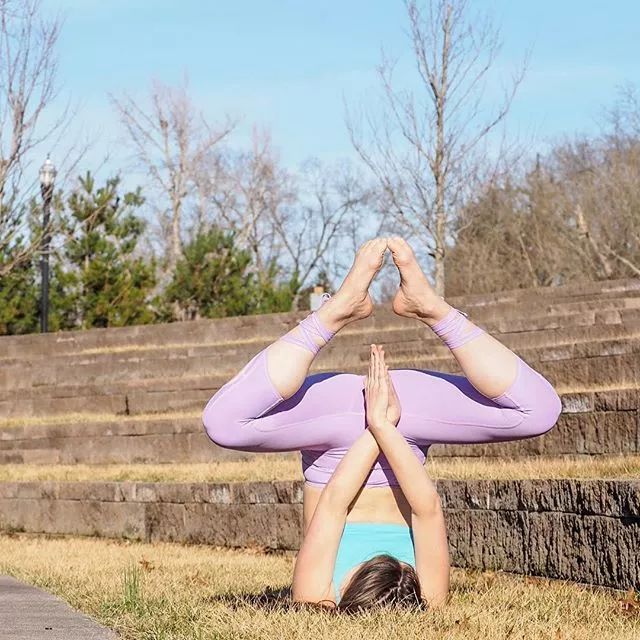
{"points": [[47, 174]]}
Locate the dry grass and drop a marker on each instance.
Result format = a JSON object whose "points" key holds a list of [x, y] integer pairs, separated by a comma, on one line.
{"points": [[153, 346], [170, 592], [74, 418], [614, 467], [270, 468], [261, 339], [257, 468]]}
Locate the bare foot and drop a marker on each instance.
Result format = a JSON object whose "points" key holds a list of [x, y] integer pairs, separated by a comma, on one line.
{"points": [[352, 301], [416, 297]]}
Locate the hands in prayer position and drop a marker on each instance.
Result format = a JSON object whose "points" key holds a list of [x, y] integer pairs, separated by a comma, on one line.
{"points": [[382, 402]]}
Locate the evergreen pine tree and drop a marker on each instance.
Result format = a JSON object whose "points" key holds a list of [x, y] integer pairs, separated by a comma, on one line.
{"points": [[18, 294], [106, 284], [214, 279]]}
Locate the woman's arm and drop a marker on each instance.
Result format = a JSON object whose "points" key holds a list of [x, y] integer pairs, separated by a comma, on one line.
{"points": [[430, 537], [427, 520], [313, 573], [316, 559]]}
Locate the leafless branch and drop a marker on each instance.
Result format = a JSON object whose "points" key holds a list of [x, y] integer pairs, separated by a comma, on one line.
{"points": [[174, 143], [425, 146]]}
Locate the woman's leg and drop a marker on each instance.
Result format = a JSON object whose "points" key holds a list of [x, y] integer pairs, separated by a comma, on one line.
{"points": [[268, 406], [499, 398]]}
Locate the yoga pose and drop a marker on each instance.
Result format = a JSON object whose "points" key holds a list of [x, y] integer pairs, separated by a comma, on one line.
{"points": [[374, 528]]}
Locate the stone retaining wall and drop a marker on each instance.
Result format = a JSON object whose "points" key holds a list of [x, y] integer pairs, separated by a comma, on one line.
{"points": [[581, 530]]}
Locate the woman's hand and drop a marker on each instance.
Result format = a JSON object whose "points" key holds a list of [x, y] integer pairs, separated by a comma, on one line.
{"points": [[394, 410], [382, 404]]}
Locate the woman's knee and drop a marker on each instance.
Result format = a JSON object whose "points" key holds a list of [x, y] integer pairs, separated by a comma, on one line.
{"points": [[224, 433], [536, 398], [545, 413]]}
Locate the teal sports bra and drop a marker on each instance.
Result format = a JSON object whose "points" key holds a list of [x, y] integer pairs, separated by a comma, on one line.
{"points": [[362, 541]]}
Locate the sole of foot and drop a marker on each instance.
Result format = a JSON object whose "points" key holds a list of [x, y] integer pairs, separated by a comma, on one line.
{"points": [[352, 300], [415, 297]]}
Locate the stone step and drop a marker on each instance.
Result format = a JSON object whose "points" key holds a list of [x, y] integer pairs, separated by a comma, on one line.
{"points": [[24, 372], [583, 290], [592, 423], [610, 371], [582, 365], [602, 372], [190, 360], [183, 448], [484, 307], [342, 354]]}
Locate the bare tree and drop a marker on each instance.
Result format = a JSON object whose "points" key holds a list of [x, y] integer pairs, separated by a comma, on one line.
{"points": [[28, 68], [171, 141], [602, 200], [243, 191], [574, 216], [622, 119], [424, 146], [514, 233], [311, 229], [294, 221]]}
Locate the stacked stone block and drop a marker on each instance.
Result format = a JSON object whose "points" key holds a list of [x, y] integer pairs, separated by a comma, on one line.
{"points": [[582, 530]]}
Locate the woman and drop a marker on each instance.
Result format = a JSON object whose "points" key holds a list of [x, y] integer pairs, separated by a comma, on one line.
{"points": [[374, 529]]}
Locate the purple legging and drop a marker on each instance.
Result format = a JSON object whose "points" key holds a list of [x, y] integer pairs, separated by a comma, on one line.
{"points": [[326, 415]]}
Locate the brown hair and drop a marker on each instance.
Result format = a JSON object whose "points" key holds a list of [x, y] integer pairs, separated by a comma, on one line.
{"points": [[383, 581]]}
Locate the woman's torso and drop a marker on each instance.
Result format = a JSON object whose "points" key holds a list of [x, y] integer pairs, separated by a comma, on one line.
{"points": [[381, 505], [376, 504]]}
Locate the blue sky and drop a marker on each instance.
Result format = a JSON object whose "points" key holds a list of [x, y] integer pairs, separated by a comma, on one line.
{"points": [[286, 64]]}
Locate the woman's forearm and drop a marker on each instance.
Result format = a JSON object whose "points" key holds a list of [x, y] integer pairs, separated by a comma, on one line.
{"points": [[416, 485], [351, 472], [316, 560]]}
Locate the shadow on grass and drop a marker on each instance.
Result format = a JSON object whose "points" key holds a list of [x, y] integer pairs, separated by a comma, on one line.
{"points": [[270, 599]]}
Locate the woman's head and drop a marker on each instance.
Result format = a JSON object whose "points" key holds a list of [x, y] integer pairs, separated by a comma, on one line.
{"points": [[382, 581]]}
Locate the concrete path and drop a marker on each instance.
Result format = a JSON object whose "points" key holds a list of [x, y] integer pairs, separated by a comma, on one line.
{"points": [[27, 613]]}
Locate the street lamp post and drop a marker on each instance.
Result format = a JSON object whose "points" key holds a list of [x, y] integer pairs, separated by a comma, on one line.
{"points": [[47, 178]]}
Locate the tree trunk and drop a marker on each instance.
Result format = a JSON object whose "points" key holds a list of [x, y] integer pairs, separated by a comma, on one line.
{"points": [[440, 217], [585, 231], [439, 274], [295, 303], [175, 248]]}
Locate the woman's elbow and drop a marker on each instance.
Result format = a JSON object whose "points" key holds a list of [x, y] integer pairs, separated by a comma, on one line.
{"points": [[429, 506], [332, 500]]}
